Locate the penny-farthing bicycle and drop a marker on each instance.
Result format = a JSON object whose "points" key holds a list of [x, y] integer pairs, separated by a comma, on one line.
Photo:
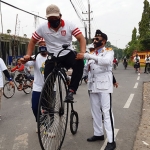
{"points": [[53, 111]]}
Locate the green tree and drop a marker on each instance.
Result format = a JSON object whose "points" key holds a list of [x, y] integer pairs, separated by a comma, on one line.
{"points": [[77, 45], [144, 24], [144, 27], [134, 32]]}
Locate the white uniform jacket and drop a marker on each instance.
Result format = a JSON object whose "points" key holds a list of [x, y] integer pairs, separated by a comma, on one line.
{"points": [[99, 71]]}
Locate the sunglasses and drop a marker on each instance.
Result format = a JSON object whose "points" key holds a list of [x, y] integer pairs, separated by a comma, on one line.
{"points": [[95, 39]]}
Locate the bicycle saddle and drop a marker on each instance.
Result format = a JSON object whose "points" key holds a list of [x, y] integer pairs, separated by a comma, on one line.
{"points": [[65, 46]]}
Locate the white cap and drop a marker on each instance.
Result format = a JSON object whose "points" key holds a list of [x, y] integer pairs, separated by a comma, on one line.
{"points": [[52, 10]]}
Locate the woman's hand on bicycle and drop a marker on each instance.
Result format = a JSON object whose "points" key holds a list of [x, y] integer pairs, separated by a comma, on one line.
{"points": [[80, 56], [25, 59]]}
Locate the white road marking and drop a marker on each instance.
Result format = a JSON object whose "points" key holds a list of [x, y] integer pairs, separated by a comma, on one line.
{"points": [[138, 78], [105, 143], [127, 105], [136, 85]]}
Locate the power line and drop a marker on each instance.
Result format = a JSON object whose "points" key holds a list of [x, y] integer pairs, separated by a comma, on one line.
{"points": [[77, 12], [21, 9]]}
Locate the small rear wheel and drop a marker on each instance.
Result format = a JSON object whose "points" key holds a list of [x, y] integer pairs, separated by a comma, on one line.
{"points": [[74, 121], [27, 88], [8, 90]]}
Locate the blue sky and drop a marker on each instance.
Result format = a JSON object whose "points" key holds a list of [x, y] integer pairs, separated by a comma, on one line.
{"points": [[116, 18]]}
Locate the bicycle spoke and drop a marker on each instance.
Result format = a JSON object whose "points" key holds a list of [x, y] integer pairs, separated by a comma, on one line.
{"points": [[53, 113]]}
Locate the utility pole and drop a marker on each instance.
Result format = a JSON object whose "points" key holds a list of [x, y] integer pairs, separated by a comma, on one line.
{"points": [[85, 26], [14, 44], [89, 20]]}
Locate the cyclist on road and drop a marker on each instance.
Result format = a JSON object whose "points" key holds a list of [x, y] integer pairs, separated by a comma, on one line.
{"points": [[57, 32], [115, 61], [19, 68], [125, 61], [3, 69], [38, 82]]}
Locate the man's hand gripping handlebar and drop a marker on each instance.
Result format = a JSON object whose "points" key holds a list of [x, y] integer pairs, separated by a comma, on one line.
{"points": [[25, 59]]}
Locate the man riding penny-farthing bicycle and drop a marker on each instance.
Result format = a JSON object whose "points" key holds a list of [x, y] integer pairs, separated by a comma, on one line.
{"points": [[57, 32]]}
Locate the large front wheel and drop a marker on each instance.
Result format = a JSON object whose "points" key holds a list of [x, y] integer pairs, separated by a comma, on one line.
{"points": [[53, 113], [8, 90]]}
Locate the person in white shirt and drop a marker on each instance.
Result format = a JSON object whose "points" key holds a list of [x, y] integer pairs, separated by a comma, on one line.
{"points": [[57, 32], [38, 82], [3, 69], [147, 64], [137, 63]]}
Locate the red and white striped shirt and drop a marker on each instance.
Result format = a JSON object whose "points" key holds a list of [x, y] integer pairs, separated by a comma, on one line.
{"points": [[54, 40]]}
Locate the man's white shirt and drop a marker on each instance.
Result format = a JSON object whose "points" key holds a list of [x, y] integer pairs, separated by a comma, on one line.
{"points": [[54, 40]]}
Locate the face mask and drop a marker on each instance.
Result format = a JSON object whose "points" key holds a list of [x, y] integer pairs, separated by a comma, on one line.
{"points": [[99, 43], [42, 48], [54, 23]]}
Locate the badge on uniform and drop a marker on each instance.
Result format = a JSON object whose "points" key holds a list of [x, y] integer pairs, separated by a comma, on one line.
{"points": [[108, 48], [63, 32]]}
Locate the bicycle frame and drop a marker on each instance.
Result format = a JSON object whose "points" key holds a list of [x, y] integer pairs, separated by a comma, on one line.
{"points": [[23, 81]]}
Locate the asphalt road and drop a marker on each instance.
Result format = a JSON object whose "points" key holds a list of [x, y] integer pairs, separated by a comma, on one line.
{"points": [[17, 127]]}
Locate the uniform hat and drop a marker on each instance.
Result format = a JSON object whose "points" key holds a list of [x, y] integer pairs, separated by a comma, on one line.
{"points": [[100, 33], [52, 10]]}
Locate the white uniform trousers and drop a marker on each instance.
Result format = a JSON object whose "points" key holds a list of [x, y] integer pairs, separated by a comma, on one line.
{"points": [[102, 101]]}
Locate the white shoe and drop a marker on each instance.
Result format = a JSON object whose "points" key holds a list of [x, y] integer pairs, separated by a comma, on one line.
{"points": [[138, 73]]}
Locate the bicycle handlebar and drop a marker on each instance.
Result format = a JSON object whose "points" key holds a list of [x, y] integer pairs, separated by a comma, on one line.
{"points": [[64, 46]]}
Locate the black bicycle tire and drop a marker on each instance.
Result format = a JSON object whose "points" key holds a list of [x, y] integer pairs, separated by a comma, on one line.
{"points": [[74, 113], [4, 90], [24, 89], [39, 110]]}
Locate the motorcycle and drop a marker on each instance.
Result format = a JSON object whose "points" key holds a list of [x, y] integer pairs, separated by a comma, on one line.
{"points": [[114, 65], [125, 65]]}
